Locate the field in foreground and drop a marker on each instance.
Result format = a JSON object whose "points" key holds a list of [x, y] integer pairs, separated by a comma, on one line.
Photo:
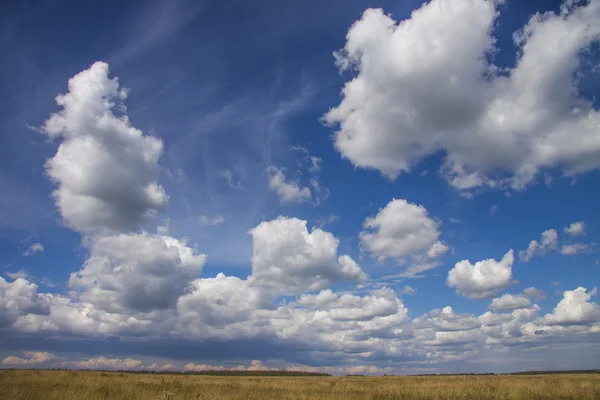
{"points": [[84, 385]]}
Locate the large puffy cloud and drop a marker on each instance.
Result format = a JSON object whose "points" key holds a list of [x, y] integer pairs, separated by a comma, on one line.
{"points": [[401, 230], [105, 169], [427, 85], [345, 329], [575, 308], [18, 298], [548, 242], [139, 272], [482, 279], [287, 259]]}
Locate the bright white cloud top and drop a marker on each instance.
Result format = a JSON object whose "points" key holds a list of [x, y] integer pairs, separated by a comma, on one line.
{"points": [[427, 85], [106, 170]]}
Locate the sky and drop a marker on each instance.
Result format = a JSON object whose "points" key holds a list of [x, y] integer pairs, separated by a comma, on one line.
{"points": [[345, 187]]}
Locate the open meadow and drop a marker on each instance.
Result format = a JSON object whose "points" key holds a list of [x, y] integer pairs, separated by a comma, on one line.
{"points": [[87, 385]]}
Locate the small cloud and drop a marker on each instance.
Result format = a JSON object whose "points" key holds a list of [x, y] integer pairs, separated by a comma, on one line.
{"points": [[556, 283], [34, 248], [288, 191], [455, 220], [534, 293], [211, 221], [572, 249], [332, 219], [230, 178], [34, 128], [19, 274], [424, 172], [576, 229], [408, 290], [493, 209], [298, 148], [548, 180]]}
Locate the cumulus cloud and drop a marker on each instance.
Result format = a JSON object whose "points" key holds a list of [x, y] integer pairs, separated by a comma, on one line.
{"points": [[402, 230], [34, 248], [483, 279], [534, 293], [18, 298], [30, 359], [219, 302], [348, 307], [548, 242], [105, 169], [408, 290], [576, 229], [288, 191], [103, 363], [576, 248], [140, 272], [289, 259], [576, 308], [510, 302], [428, 85], [446, 320]]}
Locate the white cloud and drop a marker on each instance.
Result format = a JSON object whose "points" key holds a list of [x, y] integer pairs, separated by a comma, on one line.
{"points": [[426, 85], [18, 298], [575, 308], [549, 241], [103, 363], [576, 229], [510, 302], [534, 293], [348, 307], [30, 359], [105, 169], [211, 221], [139, 272], [34, 248], [220, 301], [483, 279], [409, 290], [400, 230], [288, 192], [289, 259], [19, 274], [576, 248], [446, 320]]}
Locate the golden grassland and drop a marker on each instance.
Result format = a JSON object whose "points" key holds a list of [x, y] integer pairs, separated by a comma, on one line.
{"points": [[90, 385]]}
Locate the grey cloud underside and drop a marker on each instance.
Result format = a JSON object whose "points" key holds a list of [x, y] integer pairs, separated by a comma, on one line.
{"points": [[224, 317]]}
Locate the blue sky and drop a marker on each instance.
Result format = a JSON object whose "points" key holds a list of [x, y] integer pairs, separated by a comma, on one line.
{"points": [[302, 185]]}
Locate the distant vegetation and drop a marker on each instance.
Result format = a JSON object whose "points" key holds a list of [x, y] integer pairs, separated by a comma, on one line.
{"points": [[90, 385]]}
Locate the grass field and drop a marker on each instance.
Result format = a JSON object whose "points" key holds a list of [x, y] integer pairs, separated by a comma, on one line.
{"points": [[83, 385]]}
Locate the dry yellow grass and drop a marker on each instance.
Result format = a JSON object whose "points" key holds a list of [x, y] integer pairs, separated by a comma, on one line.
{"points": [[82, 385]]}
